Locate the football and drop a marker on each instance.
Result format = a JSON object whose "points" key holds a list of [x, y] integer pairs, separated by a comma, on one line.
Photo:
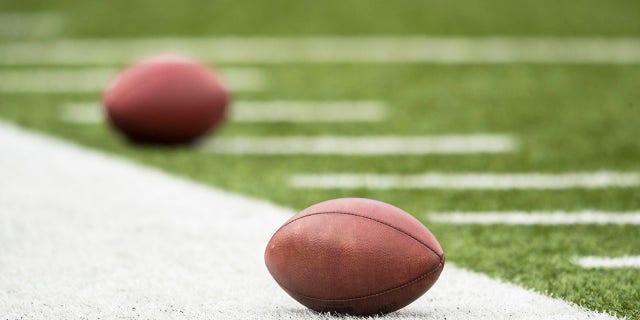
{"points": [[166, 100], [354, 256]]}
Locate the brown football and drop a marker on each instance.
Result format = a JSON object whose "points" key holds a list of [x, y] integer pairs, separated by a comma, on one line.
{"points": [[166, 100], [354, 256]]}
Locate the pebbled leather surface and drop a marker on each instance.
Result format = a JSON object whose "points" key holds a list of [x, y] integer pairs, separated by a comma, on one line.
{"points": [[166, 101], [355, 256]]}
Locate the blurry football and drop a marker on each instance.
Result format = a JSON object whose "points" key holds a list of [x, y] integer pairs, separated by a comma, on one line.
{"points": [[166, 100], [354, 256]]}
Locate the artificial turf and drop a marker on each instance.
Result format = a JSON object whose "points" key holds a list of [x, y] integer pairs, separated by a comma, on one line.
{"points": [[567, 118]]}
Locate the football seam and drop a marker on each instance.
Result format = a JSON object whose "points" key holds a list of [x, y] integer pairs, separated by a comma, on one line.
{"points": [[402, 285], [372, 219]]}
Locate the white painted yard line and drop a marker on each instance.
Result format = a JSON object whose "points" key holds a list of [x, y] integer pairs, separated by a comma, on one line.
{"points": [[82, 113], [263, 111], [537, 218], [608, 263], [91, 80], [308, 111], [55, 80], [330, 49], [30, 24], [124, 241], [588, 180], [363, 145]]}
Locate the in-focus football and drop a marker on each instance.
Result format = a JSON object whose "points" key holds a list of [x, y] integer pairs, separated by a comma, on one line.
{"points": [[166, 100], [354, 256]]}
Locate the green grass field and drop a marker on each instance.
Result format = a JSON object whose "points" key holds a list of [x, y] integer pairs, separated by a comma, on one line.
{"points": [[566, 117]]}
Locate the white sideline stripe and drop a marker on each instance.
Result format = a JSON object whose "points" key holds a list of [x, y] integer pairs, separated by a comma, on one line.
{"points": [[99, 247], [537, 218], [30, 24], [331, 49], [368, 145], [263, 111], [588, 180], [91, 80], [608, 263]]}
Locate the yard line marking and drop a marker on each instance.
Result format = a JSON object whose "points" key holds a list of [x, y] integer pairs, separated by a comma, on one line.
{"points": [[124, 242], [55, 80], [82, 113], [91, 80], [367, 145], [263, 111], [479, 181], [308, 111], [537, 218], [30, 24], [332, 49], [608, 263]]}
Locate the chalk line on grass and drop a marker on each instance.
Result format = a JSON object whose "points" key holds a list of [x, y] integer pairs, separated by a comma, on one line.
{"points": [[362, 145], [93, 80], [537, 218], [55, 80], [479, 181], [21, 25], [593, 262], [82, 113], [88, 235], [262, 111], [332, 49], [308, 111]]}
